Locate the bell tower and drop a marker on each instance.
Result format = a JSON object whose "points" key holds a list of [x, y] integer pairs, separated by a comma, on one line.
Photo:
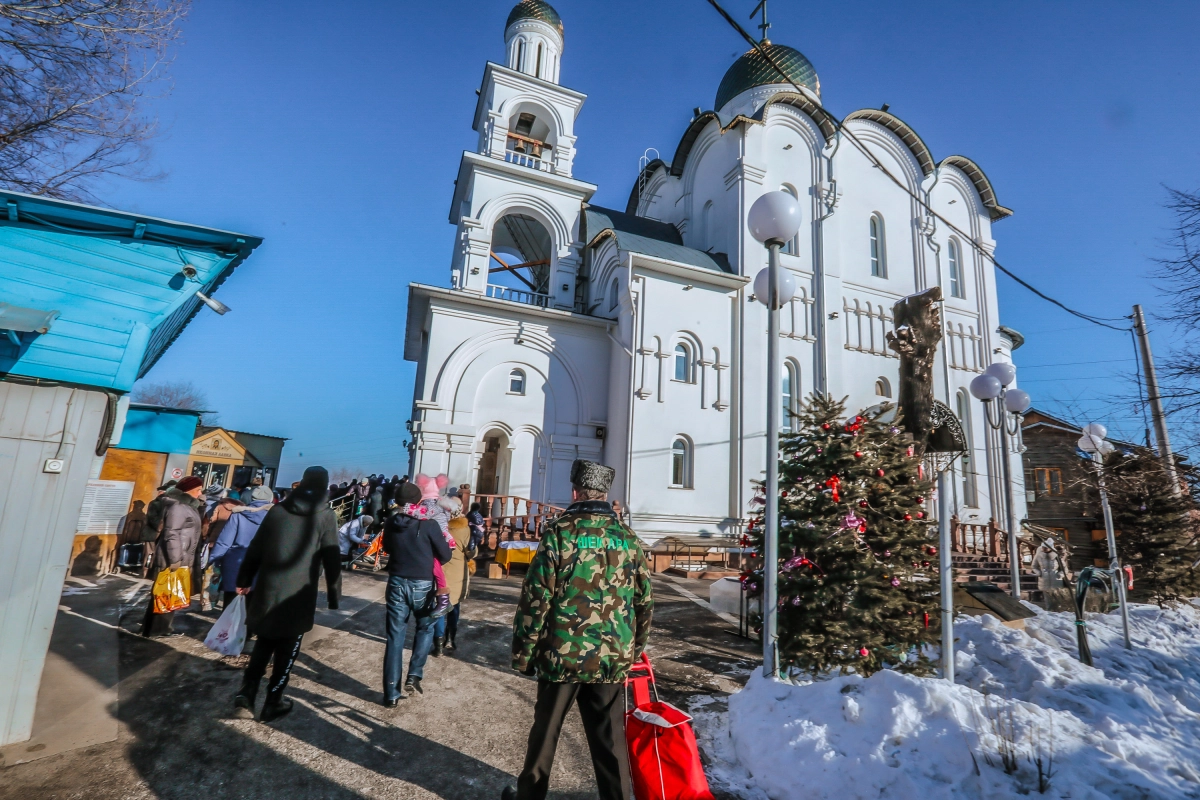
{"points": [[516, 204]]}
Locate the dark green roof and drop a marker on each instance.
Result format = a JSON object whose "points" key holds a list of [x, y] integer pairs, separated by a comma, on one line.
{"points": [[752, 69], [649, 237], [535, 9]]}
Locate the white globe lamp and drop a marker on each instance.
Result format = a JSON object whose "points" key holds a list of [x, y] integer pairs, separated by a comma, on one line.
{"points": [[986, 387], [785, 286], [774, 218], [1017, 401], [1002, 371]]}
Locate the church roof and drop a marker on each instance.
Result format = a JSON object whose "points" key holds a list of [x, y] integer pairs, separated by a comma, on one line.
{"points": [[752, 69], [535, 9], [648, 237]]}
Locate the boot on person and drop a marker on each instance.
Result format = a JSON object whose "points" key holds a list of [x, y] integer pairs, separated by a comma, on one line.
{"points": [[276, 706], [439, 646], [243, 701]]}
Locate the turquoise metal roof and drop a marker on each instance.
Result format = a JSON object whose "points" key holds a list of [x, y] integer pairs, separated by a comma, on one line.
{"points": [[535, 9], [158, 430], [116, 280], [752, 69], [649, 237]]}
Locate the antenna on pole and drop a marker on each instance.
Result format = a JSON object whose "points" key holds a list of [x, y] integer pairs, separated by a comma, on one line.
{"points": [[762, 6]]}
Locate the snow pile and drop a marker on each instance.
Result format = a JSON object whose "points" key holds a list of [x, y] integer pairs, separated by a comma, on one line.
{"points": [[1128, 728]]}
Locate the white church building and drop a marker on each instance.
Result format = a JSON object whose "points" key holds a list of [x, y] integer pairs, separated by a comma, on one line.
{"points": [[632, 336]]}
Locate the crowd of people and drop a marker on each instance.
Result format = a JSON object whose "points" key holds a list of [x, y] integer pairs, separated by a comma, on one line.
{"points": [[582, 621]]}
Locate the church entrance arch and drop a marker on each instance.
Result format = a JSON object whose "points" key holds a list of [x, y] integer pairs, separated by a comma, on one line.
{"points": [[494, 464]]}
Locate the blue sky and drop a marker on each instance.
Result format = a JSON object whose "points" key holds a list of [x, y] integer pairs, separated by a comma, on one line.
{"points": [[337, 138]]}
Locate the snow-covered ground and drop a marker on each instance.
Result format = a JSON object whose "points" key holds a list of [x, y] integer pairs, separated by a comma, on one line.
{"points": [[1127, 728]]}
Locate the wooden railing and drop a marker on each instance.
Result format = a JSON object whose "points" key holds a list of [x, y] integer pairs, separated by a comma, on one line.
{"points": [[986, 540], [507, 518]]}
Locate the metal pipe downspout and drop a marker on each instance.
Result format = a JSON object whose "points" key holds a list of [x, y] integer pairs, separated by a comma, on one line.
{"points": [[636, 306], [770, 605], [821, 382]]}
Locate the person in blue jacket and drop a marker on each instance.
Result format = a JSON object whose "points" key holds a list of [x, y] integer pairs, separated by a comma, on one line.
{"points": [[236, 536]]}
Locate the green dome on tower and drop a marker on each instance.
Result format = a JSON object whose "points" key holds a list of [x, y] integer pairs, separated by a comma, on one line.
{"points": [[752, 69], [535, 9]]}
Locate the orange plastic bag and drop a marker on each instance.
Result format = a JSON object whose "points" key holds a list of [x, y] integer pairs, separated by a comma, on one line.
{"points": [[172, 590]]}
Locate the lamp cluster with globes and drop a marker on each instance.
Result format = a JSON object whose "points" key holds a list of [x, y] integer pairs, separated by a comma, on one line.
{"points": [[773, 220], [1097, 447], [1005, 416]]}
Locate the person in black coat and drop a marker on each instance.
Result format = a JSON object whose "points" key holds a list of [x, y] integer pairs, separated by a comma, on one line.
{"points": [[280, 572], [176, 545], [412, 541]]}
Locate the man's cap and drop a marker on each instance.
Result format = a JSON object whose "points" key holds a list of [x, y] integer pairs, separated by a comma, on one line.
{"points": [[189, 483], [167, 485], [591, 475], [262, 493], [410, 494]]}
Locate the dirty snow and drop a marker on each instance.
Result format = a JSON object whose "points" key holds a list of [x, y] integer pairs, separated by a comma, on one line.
{"points": [[1127, 728]]}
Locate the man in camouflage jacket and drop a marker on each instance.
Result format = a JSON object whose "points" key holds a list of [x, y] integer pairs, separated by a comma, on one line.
{"points": [[583, 620]]}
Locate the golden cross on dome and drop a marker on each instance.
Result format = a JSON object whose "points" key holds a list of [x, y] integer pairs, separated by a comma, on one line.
{"points": [[762, 6]]}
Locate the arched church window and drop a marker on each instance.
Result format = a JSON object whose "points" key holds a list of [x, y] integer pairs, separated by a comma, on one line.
{"points": [[954, 258], [516, 382], [538, 72], [520, 65], [883, 388], [683, 363], [706, 227], [614, 294], [792, 246], [681, 463], [790, 385], [878, 248], [967, 463]]}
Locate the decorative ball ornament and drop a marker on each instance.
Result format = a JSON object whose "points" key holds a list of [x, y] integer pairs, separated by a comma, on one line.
{"points": [[921, 501], [920, 515], [863, 504], [858, 454], [895, 581], [879, 472], [908, 517], [825, 426], [864, 652]]}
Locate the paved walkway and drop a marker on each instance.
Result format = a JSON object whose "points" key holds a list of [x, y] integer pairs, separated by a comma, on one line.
{"points": [[464, 738]]}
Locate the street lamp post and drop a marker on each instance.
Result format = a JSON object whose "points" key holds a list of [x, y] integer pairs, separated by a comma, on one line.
{"points": [[993, 385], [1094, 444], [773, 220]]}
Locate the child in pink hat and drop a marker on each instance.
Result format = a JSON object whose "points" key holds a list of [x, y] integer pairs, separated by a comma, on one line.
{"points": [[432, 491]]}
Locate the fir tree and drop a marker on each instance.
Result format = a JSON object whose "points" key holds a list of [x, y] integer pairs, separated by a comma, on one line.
{"points": [[1158, 529], [856, 584]]}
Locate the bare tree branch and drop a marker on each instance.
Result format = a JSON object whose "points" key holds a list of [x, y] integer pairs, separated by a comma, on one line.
{"points": [[73, 75], [175, 394]]}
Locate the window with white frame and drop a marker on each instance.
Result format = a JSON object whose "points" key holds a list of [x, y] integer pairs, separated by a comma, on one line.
{"points": [[683, 362], [967, 464], [878, 248], [681, 463], [791, 385], [792, 246], [516, 382], [954, 260], [883, 388]]}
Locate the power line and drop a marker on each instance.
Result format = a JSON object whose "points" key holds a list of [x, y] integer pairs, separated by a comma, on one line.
{"points": [[880, 166], [1074, 363]]}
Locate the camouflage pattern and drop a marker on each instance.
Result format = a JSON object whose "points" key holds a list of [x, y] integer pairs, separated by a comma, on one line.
{"points": [[584, 615]]}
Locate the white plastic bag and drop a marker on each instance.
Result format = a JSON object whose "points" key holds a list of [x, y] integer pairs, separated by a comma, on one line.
{"points": [[229, 634]]}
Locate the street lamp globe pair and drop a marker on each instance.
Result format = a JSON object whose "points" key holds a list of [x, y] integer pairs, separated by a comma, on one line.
{"points": [[774, 220]]}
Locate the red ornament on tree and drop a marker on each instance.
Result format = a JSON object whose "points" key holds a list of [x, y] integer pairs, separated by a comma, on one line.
{"points": [[926, 619], [908, 517], [920, 515], [833, 484], [825, 426], [864, 652], [879, 472], [863, 503], [921, 501], [858, 454]]}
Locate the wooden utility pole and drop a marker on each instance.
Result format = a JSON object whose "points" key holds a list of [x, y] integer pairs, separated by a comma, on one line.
{"points": [[1156, 409]]}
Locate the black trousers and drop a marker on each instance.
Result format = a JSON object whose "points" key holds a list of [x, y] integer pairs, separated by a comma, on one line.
{"points": [[284, 652], [602, 710]]}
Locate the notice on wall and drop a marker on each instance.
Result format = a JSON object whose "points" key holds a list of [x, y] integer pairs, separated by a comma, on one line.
{"points": [[105, 505]]}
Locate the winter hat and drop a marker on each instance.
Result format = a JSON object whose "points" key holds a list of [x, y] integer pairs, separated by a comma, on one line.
{"points": [[189, 483], [591, 475], [409, 494], [262, 493], [427, 486], [443, 481], [366, 520]]}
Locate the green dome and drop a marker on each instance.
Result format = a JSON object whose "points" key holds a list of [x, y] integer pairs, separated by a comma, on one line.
{"points": [[535, 9], [753, 70]]}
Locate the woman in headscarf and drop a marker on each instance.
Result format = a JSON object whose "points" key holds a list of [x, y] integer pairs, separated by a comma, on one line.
{"points": [[297, 539], [458, 577]]}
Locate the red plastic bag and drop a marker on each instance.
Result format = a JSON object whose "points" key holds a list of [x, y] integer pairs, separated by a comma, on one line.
{"points": [[663, 756]]}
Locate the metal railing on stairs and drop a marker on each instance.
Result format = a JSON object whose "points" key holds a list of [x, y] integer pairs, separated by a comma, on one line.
{"points": [[508, 518]]}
